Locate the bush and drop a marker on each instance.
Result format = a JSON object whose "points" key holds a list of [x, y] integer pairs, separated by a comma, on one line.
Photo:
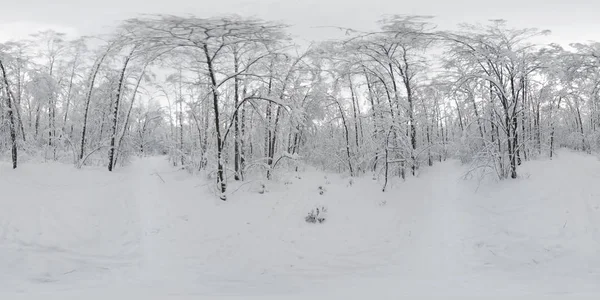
{"points": [[262, 188], [318, 214], [321, 190]]}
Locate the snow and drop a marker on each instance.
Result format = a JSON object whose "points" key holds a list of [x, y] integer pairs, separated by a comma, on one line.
{"points": [[150, 230]]}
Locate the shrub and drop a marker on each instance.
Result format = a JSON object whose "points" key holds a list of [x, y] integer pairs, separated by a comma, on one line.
{"points": [[321, 190], [261, 188], [318, 214]]}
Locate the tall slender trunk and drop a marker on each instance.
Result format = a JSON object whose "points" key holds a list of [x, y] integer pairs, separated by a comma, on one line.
{"points": [[522, 114], [17, 99], [355, 113], [397, 100], [236, 125], [181, 145], [115, 117], [69, 91], [428, 134], [347, 136], [37, 120], [11, 118], [460, 118], [180, 118], [511, 140], [476, 111], [271, 142], [220, 169], [88, 99], [204, 145], [375, 126], [412, 126], [269, 131], [51, 112], [242, 138], [553, 127], [537, 126], [127, 117]]}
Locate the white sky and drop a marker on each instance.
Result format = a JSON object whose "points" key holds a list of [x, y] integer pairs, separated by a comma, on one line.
{"points": [[569, 21]]}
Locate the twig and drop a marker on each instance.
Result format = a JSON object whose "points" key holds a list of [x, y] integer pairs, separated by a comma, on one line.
{"points": [[239, 187], [156, 173]]}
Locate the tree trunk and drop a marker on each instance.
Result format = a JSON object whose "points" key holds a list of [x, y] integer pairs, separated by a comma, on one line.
{"points": [[269, 131], [11, 118], [375, 126], [347, 136], [18, 102], [88, 98], [236, 126], [69, 90], [243, 135], [477, 116], [220, 169], [355, 113], [553, 127], [180, 117], [127, 117], [113, 136], [412, 127]]}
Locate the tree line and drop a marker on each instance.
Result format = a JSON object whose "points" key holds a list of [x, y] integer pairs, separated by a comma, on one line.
{"points": [[235, 97]]}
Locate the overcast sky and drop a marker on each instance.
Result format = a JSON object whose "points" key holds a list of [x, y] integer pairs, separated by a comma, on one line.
{"points": [[569, 21]]}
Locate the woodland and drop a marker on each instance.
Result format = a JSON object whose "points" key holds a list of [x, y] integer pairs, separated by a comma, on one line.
{"points": [[236, 98]]}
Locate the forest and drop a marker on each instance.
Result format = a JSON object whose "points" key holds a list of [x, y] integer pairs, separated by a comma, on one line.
{"points": [[224, 156], [236, 98]]}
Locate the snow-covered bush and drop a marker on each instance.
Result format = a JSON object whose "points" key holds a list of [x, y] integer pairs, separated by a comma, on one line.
{"points": [[262, 188], [321, 190], [317, 215]]}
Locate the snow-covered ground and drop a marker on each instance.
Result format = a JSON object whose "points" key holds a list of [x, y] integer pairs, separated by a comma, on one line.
{"points": [[149, 229]]}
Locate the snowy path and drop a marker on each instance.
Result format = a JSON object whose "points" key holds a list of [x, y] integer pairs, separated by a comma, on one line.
{"points": [[152, 208], [162, 225]]}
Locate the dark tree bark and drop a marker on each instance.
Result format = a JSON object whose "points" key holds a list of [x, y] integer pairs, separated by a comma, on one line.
{"points": [[553, 127], [180, 118], [236, 126], [243, 135], [347, 136], [220, 169], [69, 91], [115, 117], [476, 111], [375, 125], [127, 117], [11, 118], [355, 113], [88, 99], [17, 99]]}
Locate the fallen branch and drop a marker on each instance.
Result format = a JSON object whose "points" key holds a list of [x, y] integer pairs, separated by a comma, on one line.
{"points": [[156, 173]]}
